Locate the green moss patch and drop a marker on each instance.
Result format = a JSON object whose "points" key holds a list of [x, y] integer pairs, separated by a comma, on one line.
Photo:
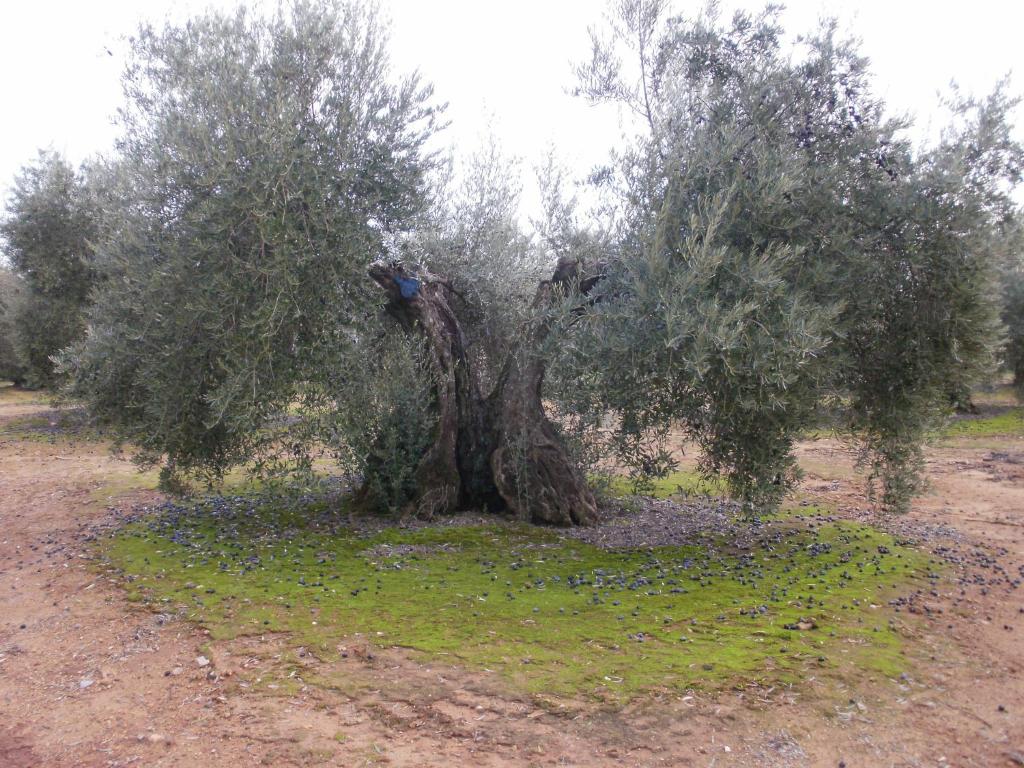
{"points": [[12, 395], [1003, 395], [546, 611], [1006, 422], [50, 426], [685, 483]]}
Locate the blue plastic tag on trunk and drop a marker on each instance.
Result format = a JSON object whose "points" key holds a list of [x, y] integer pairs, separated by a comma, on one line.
{"points": [[407, 286]]}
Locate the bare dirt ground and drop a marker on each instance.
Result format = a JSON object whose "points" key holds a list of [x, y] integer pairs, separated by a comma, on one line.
{"points": [[89, 679]]}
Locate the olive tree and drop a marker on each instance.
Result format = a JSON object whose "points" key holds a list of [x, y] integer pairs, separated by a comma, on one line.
{"points": [[787, 255], [269, 176], [287, 270], [47, 234], [1011, 283], [264, 163], [12, 292]]}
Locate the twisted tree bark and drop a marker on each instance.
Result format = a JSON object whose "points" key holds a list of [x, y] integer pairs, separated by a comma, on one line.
{"points": [[502, 451]]}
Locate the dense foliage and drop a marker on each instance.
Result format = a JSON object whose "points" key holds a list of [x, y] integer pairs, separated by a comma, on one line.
{"points": [[264, 164], [48, 234], [773, 254], [1011, 283], [12, 292], [787, 255]]}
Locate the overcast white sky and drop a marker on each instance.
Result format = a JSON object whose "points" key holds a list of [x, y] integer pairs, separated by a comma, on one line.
{"points": [[501, 66]]}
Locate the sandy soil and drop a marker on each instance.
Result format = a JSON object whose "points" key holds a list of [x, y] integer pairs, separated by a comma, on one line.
{"points": [[89, 679]]}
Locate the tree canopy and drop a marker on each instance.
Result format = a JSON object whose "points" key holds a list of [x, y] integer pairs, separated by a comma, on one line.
{"points": [[264, 164], [788, 256], [12, 292], [288, 267], [48, 232]]}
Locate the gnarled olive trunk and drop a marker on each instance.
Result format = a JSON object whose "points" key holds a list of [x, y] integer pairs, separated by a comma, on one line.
{"points": [[498, 452]]}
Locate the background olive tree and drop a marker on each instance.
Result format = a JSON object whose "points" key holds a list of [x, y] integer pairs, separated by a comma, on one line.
{"points": [[1011, 283], [47, 234], [12, 292]]}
